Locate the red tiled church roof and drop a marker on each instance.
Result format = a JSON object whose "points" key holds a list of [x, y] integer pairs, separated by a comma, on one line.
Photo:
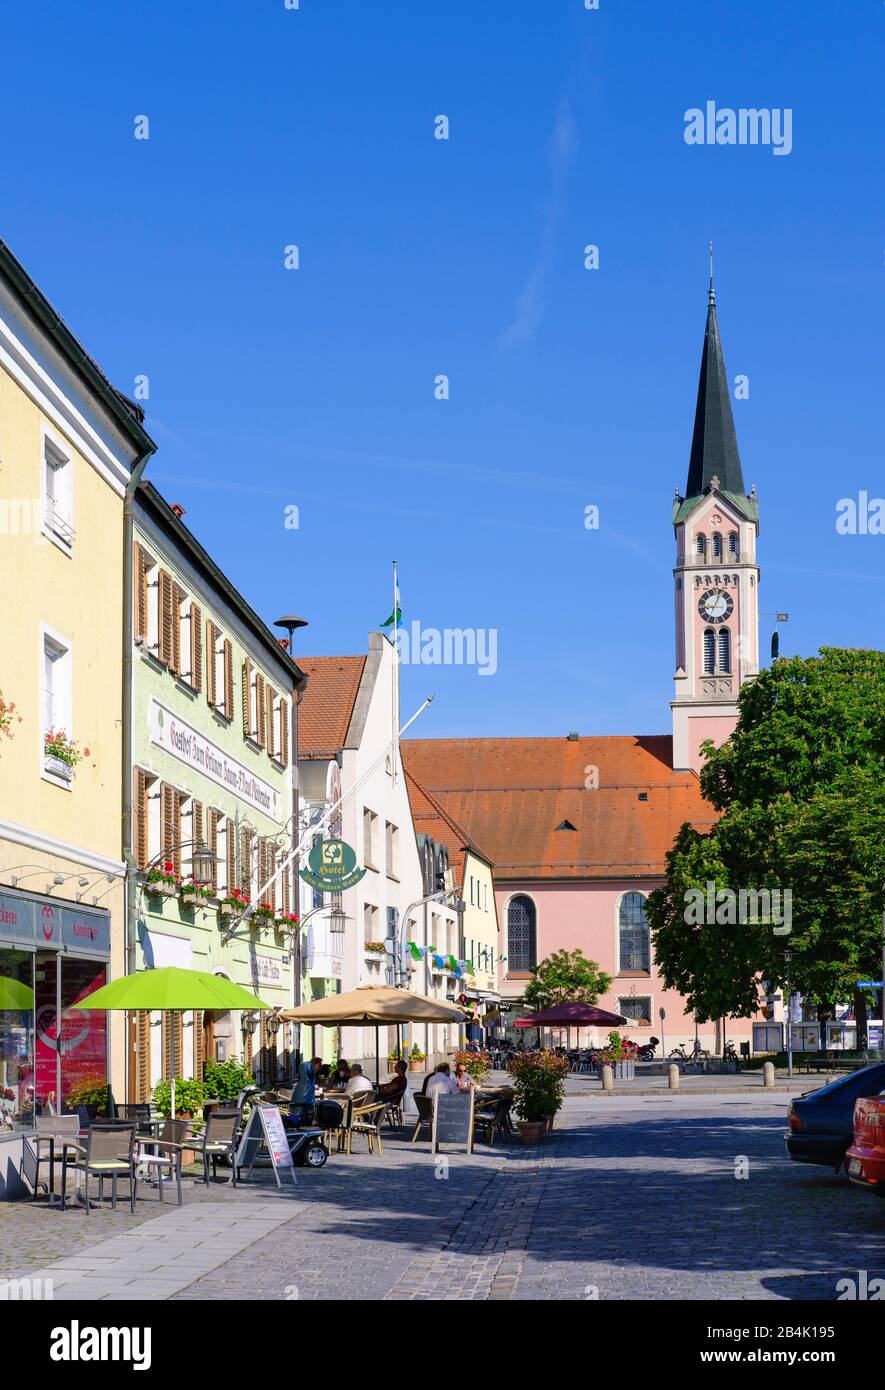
{"points": [[430, 817], [514, 793], [325, 711]]}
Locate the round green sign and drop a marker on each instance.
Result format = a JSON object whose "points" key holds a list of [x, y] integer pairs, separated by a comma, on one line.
{"points": [[332, 867]]}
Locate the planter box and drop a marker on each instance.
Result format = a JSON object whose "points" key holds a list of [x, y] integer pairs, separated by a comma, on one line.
{"points": [[194, 900], [531, 1131], [417, 1066], [621, 1071], [162, 890], [58, 767], [228, 909]]}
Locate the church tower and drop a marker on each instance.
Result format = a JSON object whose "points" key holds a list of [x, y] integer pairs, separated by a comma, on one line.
{"points": [[716, 576]]}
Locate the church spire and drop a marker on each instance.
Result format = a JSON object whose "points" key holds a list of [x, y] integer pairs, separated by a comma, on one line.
{"points": [[714, 447]]}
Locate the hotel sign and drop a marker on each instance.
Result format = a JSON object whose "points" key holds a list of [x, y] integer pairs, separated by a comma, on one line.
{"points": [[174, 736]]}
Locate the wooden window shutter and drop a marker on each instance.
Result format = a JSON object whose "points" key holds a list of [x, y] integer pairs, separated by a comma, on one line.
{"points": [[231, 857], [173, 1056], [247, 698], [170, 806], [199, 1044], [247, 839], [196, 828], [142, 1055], [166, 625], [196, 646], [284, 732], [177, 598], [285, 893], [260, 709], [212, 841], [272, 741], [139, 818], [228, 679], [212, 635], [140, 597], [247, 1050]]}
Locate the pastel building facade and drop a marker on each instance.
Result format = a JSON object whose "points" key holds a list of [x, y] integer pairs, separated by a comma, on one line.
{"points": [[71, 449], [214, 718]]}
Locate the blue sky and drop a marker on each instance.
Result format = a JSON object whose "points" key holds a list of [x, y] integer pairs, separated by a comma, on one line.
{"points": [[315, 388]]}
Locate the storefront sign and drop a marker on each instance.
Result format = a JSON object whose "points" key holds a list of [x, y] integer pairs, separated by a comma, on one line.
{"points": [[265, 1130], [48, 925], [267, 970], [452, 1121], [174, 736], [332, 867]]}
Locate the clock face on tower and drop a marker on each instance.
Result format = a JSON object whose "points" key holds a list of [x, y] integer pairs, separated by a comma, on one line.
{"points": [[715, 605]]}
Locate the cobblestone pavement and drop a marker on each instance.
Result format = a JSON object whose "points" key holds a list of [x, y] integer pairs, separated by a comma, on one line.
{"points": [[632, 1198]]}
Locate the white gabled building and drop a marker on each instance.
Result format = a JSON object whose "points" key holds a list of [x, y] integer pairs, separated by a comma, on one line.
{"points": [[346, 726]]}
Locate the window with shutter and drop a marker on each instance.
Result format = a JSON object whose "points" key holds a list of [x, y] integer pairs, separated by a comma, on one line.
{"points": [[260, 709], [247, 842], [214, 666], [247, 698], [285, 890], [230, 855], [139, 818], [197, 826], [196, 647], [178, 621], [173, 1044], [199, 1044], [284, 732], [170, 811], [247, 1051], [273, 746], [165, 649], [213, 821], [142, 1056], [228, 653], [140, 576]]}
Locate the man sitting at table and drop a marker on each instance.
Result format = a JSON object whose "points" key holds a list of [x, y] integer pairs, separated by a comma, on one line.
{"points": [[340, 1076], [358, 1085], [441, 1082], [394, 1089]]}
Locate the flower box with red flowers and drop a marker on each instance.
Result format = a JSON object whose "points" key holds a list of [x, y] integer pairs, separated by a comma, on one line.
{"points": [[164, 879], [287, 921], [61, 754], [196, 894], [233, 903], [264, 914]]}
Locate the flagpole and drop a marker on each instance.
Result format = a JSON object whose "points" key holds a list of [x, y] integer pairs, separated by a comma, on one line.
{"points": [[395, 676]]}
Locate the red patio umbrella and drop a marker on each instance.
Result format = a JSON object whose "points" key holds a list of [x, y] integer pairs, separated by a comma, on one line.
{"points": [[566, 1015]]}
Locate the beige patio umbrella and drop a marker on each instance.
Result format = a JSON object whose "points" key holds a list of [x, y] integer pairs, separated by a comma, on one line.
{"points": [[374, 1004]]}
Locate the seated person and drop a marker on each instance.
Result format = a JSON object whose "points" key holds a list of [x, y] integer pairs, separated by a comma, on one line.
{"points": [[323, 1076], [463, 1080], [442, 1082], [358, 1085], [394, 1089], [340, 1076]]}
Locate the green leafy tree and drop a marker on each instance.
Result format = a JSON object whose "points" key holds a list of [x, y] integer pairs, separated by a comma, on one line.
{"points": [[566, 977], [801, 790]]}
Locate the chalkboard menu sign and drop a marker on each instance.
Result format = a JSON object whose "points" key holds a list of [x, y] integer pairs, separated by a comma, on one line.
{"points": [[265, 1129], [452, 1121]]}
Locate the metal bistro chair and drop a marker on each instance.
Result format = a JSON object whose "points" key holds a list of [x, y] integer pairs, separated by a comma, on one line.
{"points": [[367, 1119], [39, 1148], [109, 1152], [218, 1140], [140, 1112], [424, 1106], [163, 1154], [493, 1120]]}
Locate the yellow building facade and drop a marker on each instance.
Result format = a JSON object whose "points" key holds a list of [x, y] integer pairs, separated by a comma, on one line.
{"points": [[70, 448]]}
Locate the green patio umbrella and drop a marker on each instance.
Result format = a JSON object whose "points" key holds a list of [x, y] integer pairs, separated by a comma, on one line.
{"points": [[175, 989], [15, 995]]}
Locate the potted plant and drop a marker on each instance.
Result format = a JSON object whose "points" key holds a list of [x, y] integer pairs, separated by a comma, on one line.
{"points": [[163, 879], [417, 1058], [8, 716], [193, 894], [620, 1054], [376, 948], [61, 754], [287, 922], [265, 914], [90, 1092], [190, 1097], [233, 903], [538, 1084], [224, 1080], [476, 1064]]}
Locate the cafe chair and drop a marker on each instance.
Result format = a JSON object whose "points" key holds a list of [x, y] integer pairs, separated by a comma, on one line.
{"points": [[424, 1106], [39, 1148], [367, 1120], [218, 1140], [162, 1155], [108, 1152], [492, 1121]]}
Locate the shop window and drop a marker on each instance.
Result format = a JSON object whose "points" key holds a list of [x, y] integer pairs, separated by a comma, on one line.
{"points": [[17, 1038]]}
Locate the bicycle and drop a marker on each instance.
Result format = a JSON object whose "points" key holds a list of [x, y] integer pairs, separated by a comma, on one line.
{"points": [[697, 1053]]}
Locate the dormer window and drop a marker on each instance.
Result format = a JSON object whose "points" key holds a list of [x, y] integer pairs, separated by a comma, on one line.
{"points": [[566, 825]]}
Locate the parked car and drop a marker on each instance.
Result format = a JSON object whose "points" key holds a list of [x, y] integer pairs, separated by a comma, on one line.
{"points": [[865, 1160], [822, 1122]]}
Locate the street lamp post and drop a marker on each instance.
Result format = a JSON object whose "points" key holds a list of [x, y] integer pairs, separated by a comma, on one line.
{"points": [[788, 956]]}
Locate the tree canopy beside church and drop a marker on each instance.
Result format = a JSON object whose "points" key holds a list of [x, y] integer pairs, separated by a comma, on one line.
{"points": [[566, 977], [801, 788]]}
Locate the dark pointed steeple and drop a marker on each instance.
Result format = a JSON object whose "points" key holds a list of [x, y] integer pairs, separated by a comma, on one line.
{"points": [[714, 446]]}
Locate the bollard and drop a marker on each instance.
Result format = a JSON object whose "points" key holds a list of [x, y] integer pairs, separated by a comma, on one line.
{"points": [[673, 1076], [608, 1078], [768, 1074]]}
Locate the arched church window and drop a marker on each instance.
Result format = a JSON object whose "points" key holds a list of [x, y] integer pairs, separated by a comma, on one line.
{"points": [[733, 543], [724, 649], [717, 546], [701, 546], [521, 934], [634, 942], [709, 652]]}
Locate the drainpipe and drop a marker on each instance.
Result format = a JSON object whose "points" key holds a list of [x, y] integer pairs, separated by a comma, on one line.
{"points": [[128, 856]]}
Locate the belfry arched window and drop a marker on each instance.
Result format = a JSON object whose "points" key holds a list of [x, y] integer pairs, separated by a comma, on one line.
{"points": [[724, 637], [521, 934], [734, 544], [634, 937], [709, 652], [700, 546], [717, 546]]}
